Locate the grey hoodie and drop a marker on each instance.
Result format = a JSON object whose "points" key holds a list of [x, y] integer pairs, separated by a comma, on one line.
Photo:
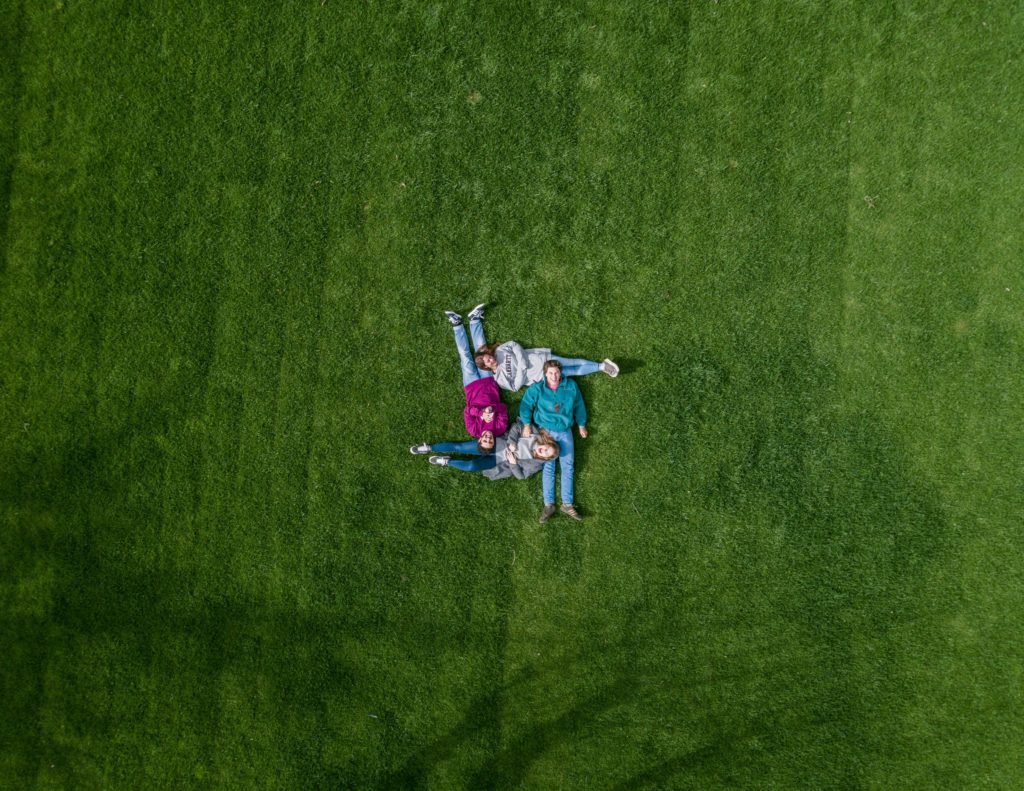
{"points": [[527, 465], [519, 367]]}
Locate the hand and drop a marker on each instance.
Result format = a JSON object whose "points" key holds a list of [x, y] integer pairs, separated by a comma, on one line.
{"points": [[527, 430], [510, 456], [487, 415], [583, 432]]}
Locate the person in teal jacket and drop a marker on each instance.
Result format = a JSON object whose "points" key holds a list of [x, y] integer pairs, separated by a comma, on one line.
{"points": [[555, 403]]}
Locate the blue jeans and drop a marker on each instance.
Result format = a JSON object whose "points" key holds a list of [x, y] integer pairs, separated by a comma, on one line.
{"points": [[470, 373], [565, 460], [476, 332], [485, 460], [572, 366]]}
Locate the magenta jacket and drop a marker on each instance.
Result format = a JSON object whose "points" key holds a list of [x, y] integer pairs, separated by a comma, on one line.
{"points": [[479, 394]]}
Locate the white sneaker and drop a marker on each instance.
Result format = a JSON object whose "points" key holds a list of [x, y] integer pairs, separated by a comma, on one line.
{"points": [[454, 318], [609, 368], [421, 448], [442, 460], [477, 313]]}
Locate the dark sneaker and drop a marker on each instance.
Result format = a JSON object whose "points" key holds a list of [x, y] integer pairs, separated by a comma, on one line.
{"points": [[417, 449], [477, 313], [609, 368], [454, 318], [442, 460], [547, 513], [571, 512]]}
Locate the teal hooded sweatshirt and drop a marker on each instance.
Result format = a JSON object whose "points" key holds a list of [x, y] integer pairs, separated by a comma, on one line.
{"points": [[555, 410]]}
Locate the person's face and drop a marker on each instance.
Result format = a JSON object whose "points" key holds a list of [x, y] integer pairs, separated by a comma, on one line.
{"points": [[488, 361], [553, 375], [487, 440], [545, 451]]}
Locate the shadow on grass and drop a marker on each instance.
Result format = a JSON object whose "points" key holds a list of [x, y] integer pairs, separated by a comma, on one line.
{"points": [[507, 767], [75, 521], [629, 365], [859, 529], [861, 535]]}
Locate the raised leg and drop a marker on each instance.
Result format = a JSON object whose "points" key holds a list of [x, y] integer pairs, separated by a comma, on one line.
{"points": [[476, 333], [470, 373]]}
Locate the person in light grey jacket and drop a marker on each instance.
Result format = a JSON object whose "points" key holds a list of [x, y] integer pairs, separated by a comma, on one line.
{"points": [[513, 456], [515, 367]]}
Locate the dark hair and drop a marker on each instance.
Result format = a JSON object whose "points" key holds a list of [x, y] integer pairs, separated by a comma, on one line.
{"points": [[487, 348], [552, 364]]}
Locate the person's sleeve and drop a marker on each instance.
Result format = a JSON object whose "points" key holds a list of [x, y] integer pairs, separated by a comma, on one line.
{"points": [[500, 419], [527, 468], [527, 405], [515, 433], [472, 423], [474, 411], [580, 410]]}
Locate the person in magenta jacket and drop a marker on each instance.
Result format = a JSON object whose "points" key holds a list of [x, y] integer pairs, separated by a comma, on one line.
{"points": [[484, 412], [485, 416]]}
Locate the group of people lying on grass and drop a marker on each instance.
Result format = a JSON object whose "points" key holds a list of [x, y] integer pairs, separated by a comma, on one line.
{"points": [[541, 435]]}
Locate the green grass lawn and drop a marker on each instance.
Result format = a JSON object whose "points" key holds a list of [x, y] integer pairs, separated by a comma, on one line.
{"points": [[229, 232]]}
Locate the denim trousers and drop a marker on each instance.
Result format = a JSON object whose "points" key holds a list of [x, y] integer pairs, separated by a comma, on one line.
{"points": [[484, 461], [470, 373], [572, 366], [565, 460]]}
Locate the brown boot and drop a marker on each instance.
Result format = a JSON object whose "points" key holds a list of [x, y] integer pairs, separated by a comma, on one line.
{"points": [[570, 511], [547, 513]]}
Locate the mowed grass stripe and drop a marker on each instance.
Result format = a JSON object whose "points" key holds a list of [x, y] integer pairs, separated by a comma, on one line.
{"points": [[930, 285], [425, 552], [651, 522]]}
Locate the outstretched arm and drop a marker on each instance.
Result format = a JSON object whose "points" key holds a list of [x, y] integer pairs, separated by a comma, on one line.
{"points": [[580, 413], [500, 422]]}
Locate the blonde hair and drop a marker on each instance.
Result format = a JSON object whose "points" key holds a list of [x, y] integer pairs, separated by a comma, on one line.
{"points": [[544, 438]]}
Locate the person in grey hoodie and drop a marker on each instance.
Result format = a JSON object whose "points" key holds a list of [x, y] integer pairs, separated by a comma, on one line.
{"points": [[513, 455], [515, 367]]}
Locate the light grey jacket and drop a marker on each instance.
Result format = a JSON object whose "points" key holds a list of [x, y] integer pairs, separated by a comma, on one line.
{"points": [[526, 466], [519, 367], [526, 445]]}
